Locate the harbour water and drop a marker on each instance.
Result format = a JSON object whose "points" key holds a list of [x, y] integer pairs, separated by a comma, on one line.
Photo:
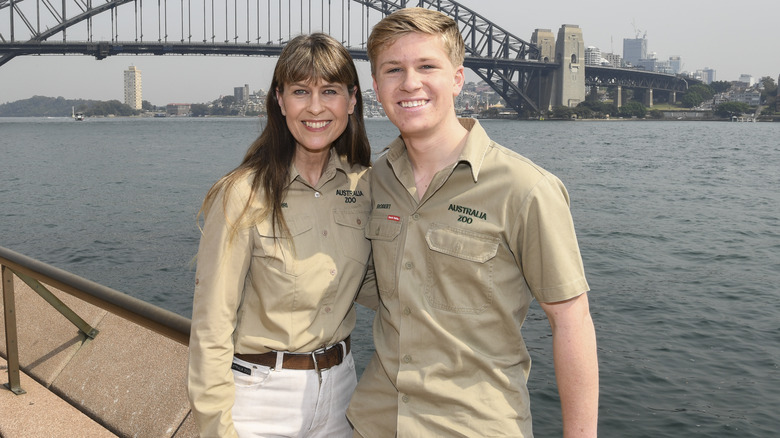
{"points": [[678, 223]]}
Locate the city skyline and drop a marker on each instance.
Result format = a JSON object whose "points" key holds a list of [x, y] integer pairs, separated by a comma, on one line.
{"points": [[704, 37]]}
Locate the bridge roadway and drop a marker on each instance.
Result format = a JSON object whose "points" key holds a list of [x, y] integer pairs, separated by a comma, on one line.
{"points": [[104, 49]]}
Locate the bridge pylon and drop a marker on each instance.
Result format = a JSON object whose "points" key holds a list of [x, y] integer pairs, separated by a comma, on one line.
{"points": [[569, 86], [544, 39]]}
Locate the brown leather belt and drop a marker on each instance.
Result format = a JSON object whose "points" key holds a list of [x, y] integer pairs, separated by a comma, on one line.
{"points": [[317, 360]]}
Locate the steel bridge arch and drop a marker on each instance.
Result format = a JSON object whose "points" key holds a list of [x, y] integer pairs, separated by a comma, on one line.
{"points": [[506, 62], [64, 23]]}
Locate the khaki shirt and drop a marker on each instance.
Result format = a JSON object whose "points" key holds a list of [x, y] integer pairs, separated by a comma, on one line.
{"points": [[257, 294], [456, 273]]}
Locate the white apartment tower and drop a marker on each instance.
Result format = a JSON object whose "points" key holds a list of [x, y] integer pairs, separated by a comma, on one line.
{"points": [[592, 56], [133, 97]]}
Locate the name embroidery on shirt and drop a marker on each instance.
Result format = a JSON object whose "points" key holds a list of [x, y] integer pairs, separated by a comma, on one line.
{"points": [[465, 212], [350, 196], [383, 206]]}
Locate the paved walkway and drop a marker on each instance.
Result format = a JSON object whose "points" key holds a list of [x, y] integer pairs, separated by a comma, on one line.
{"points": [[42, 414]]}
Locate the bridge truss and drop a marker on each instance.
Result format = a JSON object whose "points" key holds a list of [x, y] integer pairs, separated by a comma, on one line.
{"points": [[597, 76], [103, 28]]}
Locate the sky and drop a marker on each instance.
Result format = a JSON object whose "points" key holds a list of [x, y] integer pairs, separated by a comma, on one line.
{"points": [[733, 39]]}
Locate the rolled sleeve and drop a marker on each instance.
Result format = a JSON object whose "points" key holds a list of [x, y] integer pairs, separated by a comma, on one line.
{"points": [[550, 259]]}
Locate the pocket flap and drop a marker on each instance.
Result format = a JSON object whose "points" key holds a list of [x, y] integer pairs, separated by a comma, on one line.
{"points": [[383, 228], [297, 225], [460, 243], [354, 218]]}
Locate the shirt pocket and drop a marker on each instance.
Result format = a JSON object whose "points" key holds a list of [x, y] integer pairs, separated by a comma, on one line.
{"points": [[460, 263], [350, 233], [286, 253], [383, 233]]}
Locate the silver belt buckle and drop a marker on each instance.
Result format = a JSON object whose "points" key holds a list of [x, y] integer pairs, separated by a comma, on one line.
{"points": [[317, 365]]}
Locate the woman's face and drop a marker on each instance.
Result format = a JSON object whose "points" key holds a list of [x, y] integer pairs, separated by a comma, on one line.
{"points": [[316, 113]]}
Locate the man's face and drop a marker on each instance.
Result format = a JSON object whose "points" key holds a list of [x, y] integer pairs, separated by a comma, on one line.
{"points": [[416, 83]]}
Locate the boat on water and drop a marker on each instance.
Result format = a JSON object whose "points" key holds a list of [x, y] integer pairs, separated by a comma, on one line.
{"points": [[77, 116]]}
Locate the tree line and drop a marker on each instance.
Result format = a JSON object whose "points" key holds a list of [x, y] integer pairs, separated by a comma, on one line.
{"points": [[42, 106], [694, 97]]}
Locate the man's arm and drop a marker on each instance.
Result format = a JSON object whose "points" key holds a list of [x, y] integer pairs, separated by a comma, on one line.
{"points": [[576, 364]]}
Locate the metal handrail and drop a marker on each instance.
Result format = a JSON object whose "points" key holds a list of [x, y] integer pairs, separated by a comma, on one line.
{"points": [[34, 272], [164, 322]]}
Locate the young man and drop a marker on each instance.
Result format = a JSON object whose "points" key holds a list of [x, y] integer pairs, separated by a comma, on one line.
{"points": [[464, 233]]}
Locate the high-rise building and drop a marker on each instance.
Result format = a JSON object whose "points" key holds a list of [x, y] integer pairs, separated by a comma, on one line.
{"points": [[649, 64], [634, 49], [747, 80], [133, 97], [592, 56], [708, 75], [241, 93], [613, 59], [675, 64]]}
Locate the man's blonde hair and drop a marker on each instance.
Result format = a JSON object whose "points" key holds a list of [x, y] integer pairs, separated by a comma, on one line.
{"points": [[421, 20]]}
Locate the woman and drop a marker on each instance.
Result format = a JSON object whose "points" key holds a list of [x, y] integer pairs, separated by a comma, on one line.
{"points": [[282, 257]]}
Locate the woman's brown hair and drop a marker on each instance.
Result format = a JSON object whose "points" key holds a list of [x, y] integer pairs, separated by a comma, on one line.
{"points": [[307, 59]]}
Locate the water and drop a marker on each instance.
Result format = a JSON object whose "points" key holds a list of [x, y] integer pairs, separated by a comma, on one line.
{"points": [[678, 224]]}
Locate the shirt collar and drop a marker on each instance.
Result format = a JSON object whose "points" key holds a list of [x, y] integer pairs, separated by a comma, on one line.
{"points": [[335, 163], [473, 153]]}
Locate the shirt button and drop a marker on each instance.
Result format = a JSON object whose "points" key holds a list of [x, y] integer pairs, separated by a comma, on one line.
{"points": [[333, 272], [407, 358], [317, 194], [416, 216], [325, 233], [407, 311], [327, 309], [405, 399], [408, 265], [197, 281], [359, 221]]}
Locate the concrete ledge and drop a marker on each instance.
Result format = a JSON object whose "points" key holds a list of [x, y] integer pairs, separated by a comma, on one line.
{"points": [[128, 380]]}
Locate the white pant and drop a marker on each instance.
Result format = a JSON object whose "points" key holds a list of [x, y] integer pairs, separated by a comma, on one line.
{"points": [[293, 403]]}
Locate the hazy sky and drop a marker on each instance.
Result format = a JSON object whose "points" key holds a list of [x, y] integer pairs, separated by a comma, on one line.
{"points": [[733, 39]]}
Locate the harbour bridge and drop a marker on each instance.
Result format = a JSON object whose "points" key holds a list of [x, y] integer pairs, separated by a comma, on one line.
{"points": [[511, 66]]}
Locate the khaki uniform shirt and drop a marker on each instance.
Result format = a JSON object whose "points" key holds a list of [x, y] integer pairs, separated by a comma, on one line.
{"points": [[259, 293], [456, 273]]}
